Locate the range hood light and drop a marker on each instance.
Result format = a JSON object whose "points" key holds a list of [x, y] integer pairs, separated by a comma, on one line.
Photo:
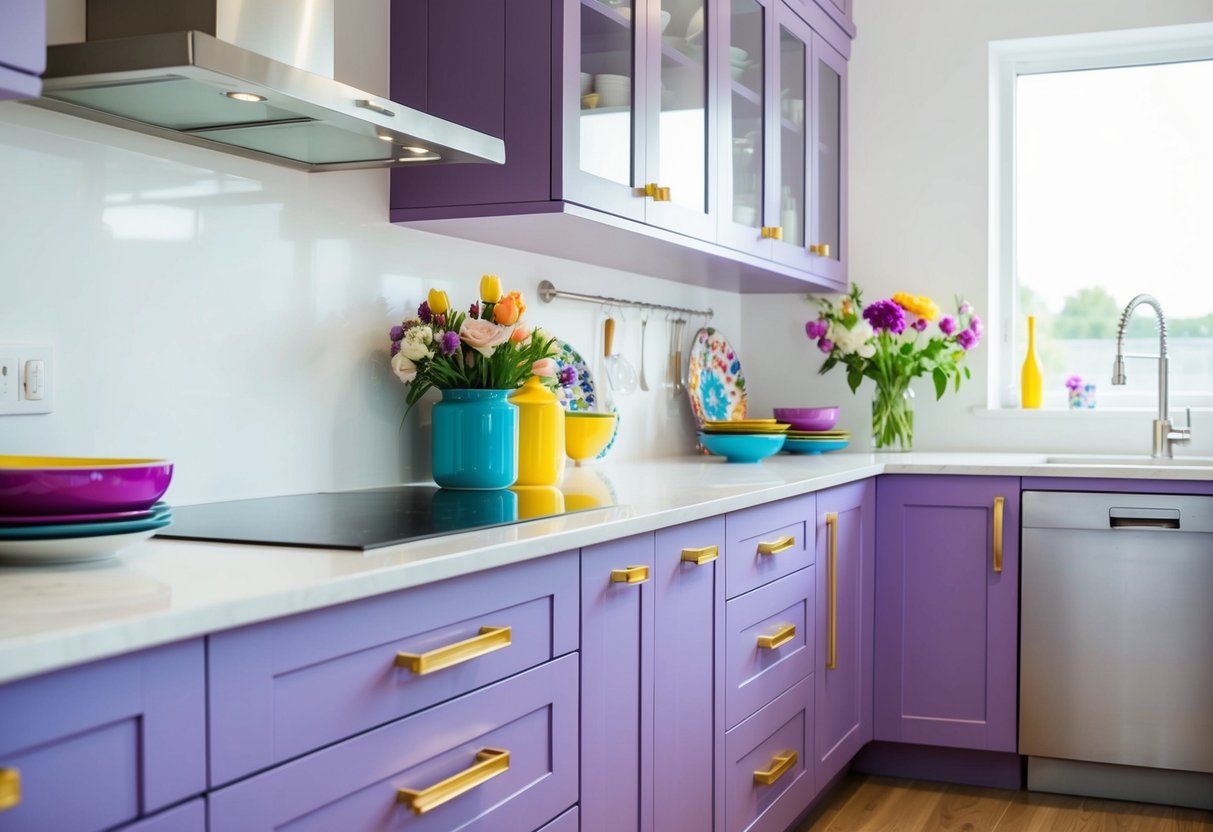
{"points": [[386, 137], [420, 151], [427, 156], [250, 97]]}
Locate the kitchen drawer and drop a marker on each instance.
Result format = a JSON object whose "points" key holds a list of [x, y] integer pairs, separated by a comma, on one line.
{"points": [[767, 542], [285, 688], [759, 746], [755, 674], [104, 743], [188, 817], [568, 822], [355, 784]]}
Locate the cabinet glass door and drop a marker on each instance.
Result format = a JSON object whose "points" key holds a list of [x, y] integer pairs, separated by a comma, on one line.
{"points": [[827, 248], [790, 210], [603, 116], [744, 170], [679, 53]]}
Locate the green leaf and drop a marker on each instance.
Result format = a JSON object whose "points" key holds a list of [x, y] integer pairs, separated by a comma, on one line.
{"points": [[967, 373], [907, 348], [828, 365], [941, 382], [958, 381], [854, 378]]}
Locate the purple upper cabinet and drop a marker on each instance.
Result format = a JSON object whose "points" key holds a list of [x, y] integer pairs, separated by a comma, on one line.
{"points": [[22, 48], [947, 589], [827, 244], [612, 113], [846, 550]]}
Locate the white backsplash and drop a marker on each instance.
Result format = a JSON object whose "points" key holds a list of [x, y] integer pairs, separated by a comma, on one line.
{"points": [[232, 316]]}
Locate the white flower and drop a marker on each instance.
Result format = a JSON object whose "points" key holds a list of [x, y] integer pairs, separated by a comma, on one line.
{"points": [[413, 349], [403, 367], [854, 340]]}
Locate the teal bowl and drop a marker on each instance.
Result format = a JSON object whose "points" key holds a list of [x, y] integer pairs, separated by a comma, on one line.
{"points": [[743, 447]]}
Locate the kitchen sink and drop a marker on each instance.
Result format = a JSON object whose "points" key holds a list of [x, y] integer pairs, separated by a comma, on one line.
{"points": [[1131, 459]]}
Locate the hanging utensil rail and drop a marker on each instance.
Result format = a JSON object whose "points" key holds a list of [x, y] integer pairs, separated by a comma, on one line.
{"points": [[548, 293]]}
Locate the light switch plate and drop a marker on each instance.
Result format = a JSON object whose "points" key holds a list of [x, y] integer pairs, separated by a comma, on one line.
{"points": [[13, 360]]}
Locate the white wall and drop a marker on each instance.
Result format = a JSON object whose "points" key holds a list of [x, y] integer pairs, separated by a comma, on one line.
{"points": [[918, 187], [232, 316]]}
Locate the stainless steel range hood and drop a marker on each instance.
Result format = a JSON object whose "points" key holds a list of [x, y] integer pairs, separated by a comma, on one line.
{"points": [[249, 77]]}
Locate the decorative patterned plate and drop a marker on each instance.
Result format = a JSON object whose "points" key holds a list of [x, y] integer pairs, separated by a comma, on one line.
{"points": [[583, 396], [714, 379]]}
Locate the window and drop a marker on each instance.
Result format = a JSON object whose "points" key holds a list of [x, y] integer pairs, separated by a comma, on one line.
{"points": [[1102, 189]]}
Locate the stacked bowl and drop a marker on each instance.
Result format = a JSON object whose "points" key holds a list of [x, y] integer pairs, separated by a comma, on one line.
{"points": [[812, 430], [738, 61], [743, 440], [613, 90], [67, 510]]}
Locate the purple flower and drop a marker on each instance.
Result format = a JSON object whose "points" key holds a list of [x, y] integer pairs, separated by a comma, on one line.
{"points": [[567, 376], [395, 348], [965, 308], [967, 339], [1074, 382], [919, 325], [449, 344], [396, 333], [817, 329], [885, 316], [825, 345], [947, 324], [975, 326], [423, 312]]}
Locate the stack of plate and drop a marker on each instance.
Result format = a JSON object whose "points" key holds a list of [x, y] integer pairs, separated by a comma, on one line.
{"points": [[67, 510], [816, 441], [743, 440]]}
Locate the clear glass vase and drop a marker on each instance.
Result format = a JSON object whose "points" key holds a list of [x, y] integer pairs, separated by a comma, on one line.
{"points": [[893, 417]]}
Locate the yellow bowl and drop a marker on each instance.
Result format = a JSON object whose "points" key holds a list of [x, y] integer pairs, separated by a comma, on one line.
{"points": [[586, 434]]}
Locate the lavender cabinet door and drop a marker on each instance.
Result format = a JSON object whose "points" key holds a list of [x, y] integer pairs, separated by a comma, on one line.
{"points": [[827, 244], [768, 541], [188, 817], [689, 588], [846, 550], [617, 594], [22, 48], [101, 744], [947, 591]]}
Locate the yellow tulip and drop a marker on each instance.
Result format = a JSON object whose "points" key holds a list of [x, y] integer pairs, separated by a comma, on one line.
{"points": [[439, 302], [490, 288]]}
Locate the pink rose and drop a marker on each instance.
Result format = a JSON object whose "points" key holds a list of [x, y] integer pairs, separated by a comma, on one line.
{"points": [[483, 336], [545, 367]]}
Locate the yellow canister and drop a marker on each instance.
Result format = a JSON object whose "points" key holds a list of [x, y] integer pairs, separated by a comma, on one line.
{"points": [[540, 434]]}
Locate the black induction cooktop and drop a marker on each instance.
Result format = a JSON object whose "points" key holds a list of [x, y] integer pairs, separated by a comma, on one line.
{"points": [[366, 519]]}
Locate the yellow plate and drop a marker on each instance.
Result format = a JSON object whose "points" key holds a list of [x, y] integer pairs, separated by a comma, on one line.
{"points": [[24, 463], [755, 429], [715, 422]]}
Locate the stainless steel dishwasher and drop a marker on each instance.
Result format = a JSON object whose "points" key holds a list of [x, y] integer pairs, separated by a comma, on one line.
{"points": [[1116, 646]]}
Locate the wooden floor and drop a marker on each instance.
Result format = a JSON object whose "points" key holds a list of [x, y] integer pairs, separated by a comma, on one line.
{"points": [[863, 803]]}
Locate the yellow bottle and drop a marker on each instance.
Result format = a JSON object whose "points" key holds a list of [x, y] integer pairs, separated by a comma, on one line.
{"points": [[540, 434], [1031, 380]]}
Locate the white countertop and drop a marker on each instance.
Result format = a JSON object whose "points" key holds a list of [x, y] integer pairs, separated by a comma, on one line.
{"points": [[162, 591]]}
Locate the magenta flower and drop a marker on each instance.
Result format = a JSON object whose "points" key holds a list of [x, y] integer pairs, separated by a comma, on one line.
{"points": [[474, 310], [885, 316], [423, 312], [1074, 383], [825, 345], [919, 325], [975, 326], [817, 329], [965, 308], [449, 344], [947, 324], [967, 339]]}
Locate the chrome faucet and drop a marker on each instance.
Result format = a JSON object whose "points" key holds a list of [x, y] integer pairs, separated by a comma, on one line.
{"points": [[1166, 436]]}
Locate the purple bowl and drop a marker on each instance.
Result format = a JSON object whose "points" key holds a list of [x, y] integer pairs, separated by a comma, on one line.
{"points": [[42, 485], [808, 418]]}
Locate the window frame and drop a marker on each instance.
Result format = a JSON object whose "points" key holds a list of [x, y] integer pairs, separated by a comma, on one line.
{"points": [[1009, 59]]}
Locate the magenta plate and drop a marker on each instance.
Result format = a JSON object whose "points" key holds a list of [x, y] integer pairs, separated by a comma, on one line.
{"points": [[56, 519], [62, 489]]}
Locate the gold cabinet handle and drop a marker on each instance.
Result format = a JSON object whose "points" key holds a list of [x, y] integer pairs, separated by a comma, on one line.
{"points": [[778, 638], [781, 763], [998, 507], [820, 249], [702, 555], [630, 575], [650, 190], [831, 590], [772, 232], [489, 763], [10, 788], [490, 639], [663, 194], [776, 546]]}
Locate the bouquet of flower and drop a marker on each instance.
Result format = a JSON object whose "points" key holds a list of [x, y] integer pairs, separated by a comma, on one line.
{"points": [[888, 341], [487, 347]]}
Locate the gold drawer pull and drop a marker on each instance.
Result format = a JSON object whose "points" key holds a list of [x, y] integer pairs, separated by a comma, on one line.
{"points": [[776, 546], [778, 638], [832, 585], [10, 788], [772, 232], [820, 249], [998, 508], [630, 575], [781, 763], [490, 639], [663, 194], [489, 763], [702, 555]]}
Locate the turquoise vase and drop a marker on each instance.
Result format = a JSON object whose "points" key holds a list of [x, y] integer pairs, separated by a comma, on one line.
{"points": [[475, 439]]}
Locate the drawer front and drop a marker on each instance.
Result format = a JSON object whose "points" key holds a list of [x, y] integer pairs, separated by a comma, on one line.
{"points": [[757, 754], [101, 744], [769, 541], [269, 682], [189, 817], [356, 784], [568, 822], [769, 642]]}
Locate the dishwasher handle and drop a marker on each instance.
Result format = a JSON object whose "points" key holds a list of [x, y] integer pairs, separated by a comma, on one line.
{"points": [[1143, 518]]}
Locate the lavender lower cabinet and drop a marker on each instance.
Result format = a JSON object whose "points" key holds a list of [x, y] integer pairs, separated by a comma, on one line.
{"points": [[188, 817], [281, 689], [846, 550], [568, 822], [769, 541], [947, 591], [22, 48], [769, 764], [501, 758], [104, 743]]}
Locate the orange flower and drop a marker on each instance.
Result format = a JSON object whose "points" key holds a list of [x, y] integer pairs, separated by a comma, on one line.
{"points": [[509, 309], [520, 334]]}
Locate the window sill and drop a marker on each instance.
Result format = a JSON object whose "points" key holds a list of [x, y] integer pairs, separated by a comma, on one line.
{"points": [[1063, 413]]}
